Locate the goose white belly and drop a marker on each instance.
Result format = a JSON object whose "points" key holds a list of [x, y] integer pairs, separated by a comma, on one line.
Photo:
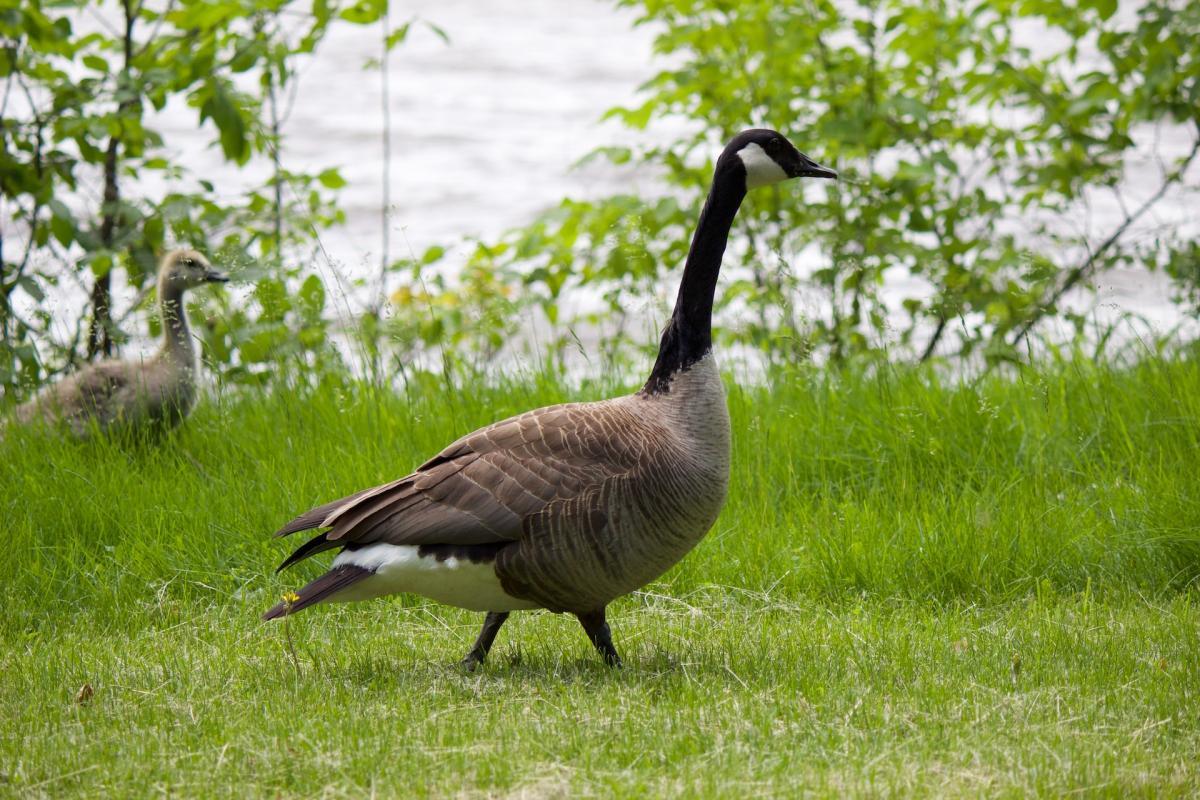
{"points": [[402, 569]]}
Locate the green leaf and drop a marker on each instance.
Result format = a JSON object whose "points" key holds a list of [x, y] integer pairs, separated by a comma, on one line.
{"points": [[331, 179], [312, 295], [263, 345], [100, 263], [364, 12], [272, 298], [397, 36], [224, 112], [152, 231], [1106, 8], [32, 288], [438, 32], [62, 223]]}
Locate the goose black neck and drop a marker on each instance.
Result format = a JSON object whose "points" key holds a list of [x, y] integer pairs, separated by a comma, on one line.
{"points": [[688, 335]]}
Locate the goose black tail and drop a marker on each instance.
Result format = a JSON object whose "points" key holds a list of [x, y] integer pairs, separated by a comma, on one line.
{"points": [[333, 581], [314, 517], [317, 544]]}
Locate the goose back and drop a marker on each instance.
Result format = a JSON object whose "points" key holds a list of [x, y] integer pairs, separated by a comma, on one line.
{"points": [[115, 394]]}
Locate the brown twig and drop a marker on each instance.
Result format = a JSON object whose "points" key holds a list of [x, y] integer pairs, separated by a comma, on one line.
{"points": [[1083, 270]]}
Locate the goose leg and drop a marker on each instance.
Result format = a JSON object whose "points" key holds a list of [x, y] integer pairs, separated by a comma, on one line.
{"points": [[596, 627], [491, 626]]}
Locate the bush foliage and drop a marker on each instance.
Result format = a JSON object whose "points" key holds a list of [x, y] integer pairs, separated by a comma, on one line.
{"points": [[975, 139], [80, 83]]}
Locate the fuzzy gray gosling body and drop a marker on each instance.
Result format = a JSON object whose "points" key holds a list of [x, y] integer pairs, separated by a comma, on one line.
{"points": [[155, 392], [571, 506]]}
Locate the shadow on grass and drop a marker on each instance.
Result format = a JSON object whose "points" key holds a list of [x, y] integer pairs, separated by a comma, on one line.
{"points": [[517, 668]]}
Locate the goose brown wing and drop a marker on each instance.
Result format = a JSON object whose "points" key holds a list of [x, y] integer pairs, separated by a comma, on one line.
{"points": [[90, 390], [482, 488]]}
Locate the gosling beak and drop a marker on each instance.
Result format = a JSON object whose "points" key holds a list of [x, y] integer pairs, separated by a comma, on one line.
{"points": [[216, 276], [811, 169]]}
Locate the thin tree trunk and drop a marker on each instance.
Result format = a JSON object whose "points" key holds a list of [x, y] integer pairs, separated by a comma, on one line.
{"points": [[376, 355], [100, 333], [100, 341], [385, 213], [276, 164]]}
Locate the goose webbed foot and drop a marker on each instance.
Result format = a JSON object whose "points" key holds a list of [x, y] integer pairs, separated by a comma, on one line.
{"points": [[483, 643], [596, 627]]}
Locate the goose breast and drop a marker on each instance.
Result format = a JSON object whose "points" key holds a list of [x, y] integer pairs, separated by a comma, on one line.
{"points": [[577, 554]]}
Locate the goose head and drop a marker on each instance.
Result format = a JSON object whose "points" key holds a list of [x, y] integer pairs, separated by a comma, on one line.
{"points": [[185, 269], [765, 157]]}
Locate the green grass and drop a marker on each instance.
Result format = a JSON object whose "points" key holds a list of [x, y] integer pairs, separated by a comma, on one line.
{"points": [[917, 587]]}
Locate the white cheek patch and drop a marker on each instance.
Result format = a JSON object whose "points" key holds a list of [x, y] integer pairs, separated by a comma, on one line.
{"points": [[761, 169]]}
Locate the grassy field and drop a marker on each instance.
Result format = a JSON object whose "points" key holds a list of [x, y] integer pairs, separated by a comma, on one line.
{"points": [[917, 587]]}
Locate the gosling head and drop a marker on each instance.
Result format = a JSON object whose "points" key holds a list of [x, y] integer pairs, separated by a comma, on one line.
{"points": [[765, 157], [185, 269]]}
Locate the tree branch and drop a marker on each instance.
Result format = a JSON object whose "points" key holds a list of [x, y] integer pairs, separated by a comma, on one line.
{"points": [[1084, 269], [934, 339], [385, 211]]}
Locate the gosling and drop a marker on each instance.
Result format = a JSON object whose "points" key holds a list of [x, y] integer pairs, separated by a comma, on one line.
{"points": [[146, 394]]}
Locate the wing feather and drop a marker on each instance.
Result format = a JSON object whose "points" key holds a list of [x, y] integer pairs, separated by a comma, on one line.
{"points": [[482, 488]]}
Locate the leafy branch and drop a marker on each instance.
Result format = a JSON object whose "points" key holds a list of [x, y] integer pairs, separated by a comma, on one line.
{"points": [[1088, 266]]}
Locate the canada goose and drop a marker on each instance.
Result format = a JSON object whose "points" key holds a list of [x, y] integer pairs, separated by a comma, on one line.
{"points": [[570, 506], [159, 391]]}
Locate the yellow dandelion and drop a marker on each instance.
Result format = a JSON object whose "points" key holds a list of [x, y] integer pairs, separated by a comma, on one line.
{"points": [[290, 597]]}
